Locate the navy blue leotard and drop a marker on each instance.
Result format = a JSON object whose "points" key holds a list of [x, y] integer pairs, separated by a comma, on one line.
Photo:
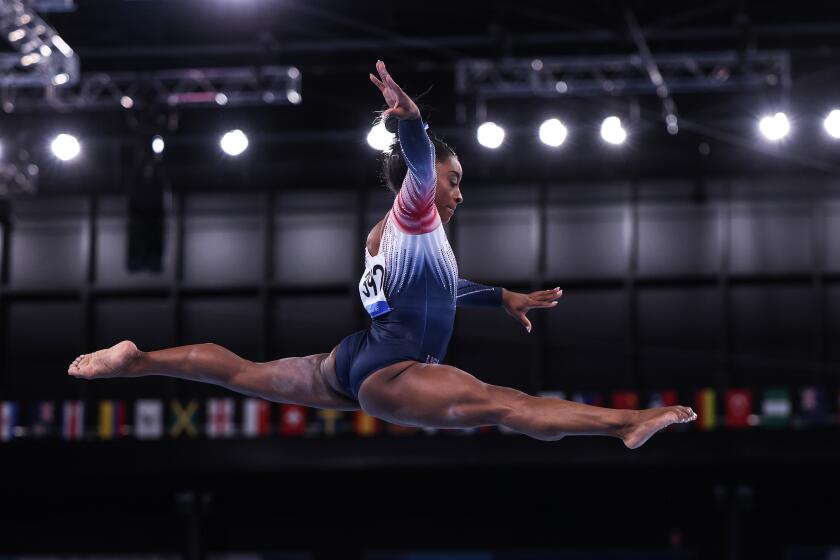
{"points": [[411, 287]]}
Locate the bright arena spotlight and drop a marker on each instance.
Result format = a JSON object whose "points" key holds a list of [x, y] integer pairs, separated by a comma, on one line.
{"points": [[832, 124], [553, 133], [490, 135], [379, 138], [65, 147], [774, 127], [612, 132], [158, 144], [233, 143]]}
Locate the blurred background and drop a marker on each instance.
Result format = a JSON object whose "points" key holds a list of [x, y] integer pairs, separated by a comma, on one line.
{"points": [[184, 171]]}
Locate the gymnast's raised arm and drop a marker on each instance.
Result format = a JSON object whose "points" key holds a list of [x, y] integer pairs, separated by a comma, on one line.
{"points": [[414, 206]]}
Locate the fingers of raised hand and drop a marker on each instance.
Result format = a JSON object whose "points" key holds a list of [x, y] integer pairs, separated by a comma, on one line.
{"points": [[377, 83]]}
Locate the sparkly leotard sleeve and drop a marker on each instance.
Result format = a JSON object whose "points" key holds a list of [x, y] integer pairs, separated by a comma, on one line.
{"points": [[409, 287]]}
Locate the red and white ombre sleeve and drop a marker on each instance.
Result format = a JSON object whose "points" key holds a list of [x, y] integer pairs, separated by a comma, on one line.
{"points": [[414, 208]]}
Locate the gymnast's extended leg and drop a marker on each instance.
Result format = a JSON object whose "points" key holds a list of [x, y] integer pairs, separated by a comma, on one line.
{"points": [[441, 396], [308, 380]]}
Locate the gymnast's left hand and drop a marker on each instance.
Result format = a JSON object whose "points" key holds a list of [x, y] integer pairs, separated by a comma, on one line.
{"points": [[517, 305], [400, 105]]}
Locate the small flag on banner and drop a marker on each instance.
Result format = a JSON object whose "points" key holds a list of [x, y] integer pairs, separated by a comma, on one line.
{"points": [[8, 420], [184, 419], [219, 418], [775, 408], [148, 419], [397, 430], [255, 418], [73, 427], [111, 419], [43, 419], [365, 424], [588, 397], [813, 408], [705, 401], [331, 421], [738, 408], [659, 399], [625, 400], [292, 420]]}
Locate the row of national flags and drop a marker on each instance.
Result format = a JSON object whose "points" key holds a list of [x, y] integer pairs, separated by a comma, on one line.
{"points": [[222, 418]]}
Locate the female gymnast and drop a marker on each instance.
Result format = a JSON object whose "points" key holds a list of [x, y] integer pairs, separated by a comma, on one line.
{"points": [[410, 288]]}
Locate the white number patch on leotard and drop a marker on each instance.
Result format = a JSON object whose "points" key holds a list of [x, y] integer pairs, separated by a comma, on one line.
{"points": [[371, 287]]}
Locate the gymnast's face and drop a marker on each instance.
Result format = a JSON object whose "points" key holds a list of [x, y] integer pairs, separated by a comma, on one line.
{"points": [[448, 190]]}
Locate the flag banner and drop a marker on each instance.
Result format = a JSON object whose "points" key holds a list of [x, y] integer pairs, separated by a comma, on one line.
{"points": [[256, 419], [8, 420], [704, 405], [42, 424], [184, 419], [666, 397], [73, 425], [397, 430], [219, 421], [552, 395], [625, 400], [112, 423], [813, 406], [738, 408], [292, 420], [775, 408], [364, 424], [331, 422], [588, 397], [148, 419]]}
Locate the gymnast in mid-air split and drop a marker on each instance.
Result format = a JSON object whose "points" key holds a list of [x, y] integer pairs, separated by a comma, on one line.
{"points": [[393, 370]]}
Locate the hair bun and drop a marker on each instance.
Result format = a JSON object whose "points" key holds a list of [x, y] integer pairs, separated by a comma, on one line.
{"points": [[392, 124]]}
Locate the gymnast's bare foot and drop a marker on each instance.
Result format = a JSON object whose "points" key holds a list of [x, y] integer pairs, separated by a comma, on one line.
{"points": [[110, 362], [650, 421]]}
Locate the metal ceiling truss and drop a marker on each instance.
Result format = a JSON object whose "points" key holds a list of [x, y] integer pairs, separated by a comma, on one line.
{"points": [[231, 87], [616, 75], [41, 57]]}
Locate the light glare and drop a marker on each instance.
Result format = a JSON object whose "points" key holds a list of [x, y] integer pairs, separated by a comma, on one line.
{"points": [[379, 138], [612, 132], [832, 124], [490, 135], [775, 127], [234, 142], [553, 133], [65, 147], [158, 145]]}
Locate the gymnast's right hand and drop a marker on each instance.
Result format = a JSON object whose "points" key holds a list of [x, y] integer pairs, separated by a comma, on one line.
{"points": [[400, 105]]}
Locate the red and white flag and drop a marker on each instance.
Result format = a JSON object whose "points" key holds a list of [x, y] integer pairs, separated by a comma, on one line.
{"points": [[73, 426], [292, 420], [219, 418], [255, 420]]}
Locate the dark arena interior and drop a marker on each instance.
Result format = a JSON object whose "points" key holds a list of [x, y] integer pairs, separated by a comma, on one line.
{"points": [[178, 172]]}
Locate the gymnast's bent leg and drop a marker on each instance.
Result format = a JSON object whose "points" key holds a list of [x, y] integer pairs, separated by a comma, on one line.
{"points": [[441, 396], [308, 380]]}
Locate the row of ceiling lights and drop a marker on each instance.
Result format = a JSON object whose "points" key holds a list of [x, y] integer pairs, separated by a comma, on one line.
{"points": [[552, 132]]}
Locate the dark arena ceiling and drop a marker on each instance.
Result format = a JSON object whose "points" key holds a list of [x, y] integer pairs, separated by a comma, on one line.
{"points": [[723, 65]]}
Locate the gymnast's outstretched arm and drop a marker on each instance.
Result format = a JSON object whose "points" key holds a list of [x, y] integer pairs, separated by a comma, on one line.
{"points": [[473, 294]]}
